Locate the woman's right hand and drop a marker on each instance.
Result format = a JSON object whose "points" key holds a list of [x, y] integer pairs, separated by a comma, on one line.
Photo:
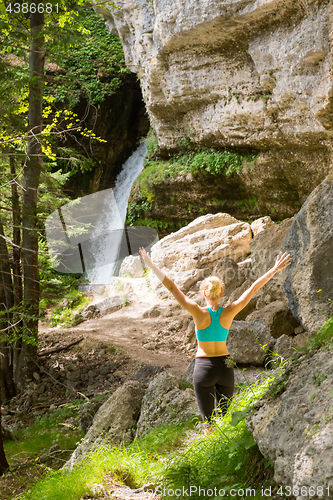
{"points": [[282, 262], [145, 257]]}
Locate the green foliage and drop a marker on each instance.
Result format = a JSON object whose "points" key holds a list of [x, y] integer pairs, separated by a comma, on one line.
{"points": [[324, 336], [64, 315], [136, 209], [184, 384], [207, 160], [248, 204], [33, 441], [224, 458], [214, 162], [94, 66], [151, 143], [133, 465], [318, 379]]}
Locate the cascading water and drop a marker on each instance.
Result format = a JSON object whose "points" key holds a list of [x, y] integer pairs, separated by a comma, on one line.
{"points": [[107, 239], [88, 236]]}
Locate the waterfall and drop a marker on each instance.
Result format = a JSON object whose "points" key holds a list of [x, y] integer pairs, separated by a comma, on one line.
{"points": [[87, 235], [106, 240]]}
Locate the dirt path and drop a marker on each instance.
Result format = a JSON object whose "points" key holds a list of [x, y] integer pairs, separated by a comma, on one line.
{"points": [[145, 341]]}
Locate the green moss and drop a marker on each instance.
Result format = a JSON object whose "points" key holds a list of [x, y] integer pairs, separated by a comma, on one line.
{"points": [[207, 160], [151, 143]]}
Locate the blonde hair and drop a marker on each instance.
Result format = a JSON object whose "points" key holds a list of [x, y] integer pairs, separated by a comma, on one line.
{"points": [[212, 286]]}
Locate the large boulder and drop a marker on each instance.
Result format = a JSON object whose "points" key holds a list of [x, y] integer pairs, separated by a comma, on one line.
{"points": [[265, 246], [164, 403], [132, 267], [278, 318], [295, 430], [201, 244], [114, 421], [309, 283], [246, 340], [110, 305], [192, 253]]}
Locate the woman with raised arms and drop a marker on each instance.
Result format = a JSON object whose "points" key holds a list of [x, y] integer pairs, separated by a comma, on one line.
{"points": [[213, 379]]}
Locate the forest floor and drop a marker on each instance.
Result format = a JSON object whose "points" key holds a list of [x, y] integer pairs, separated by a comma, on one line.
{"points": [[89, 362]]}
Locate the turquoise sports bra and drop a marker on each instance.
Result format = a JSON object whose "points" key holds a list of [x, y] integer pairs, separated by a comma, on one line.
{"points": [[214, 332]]}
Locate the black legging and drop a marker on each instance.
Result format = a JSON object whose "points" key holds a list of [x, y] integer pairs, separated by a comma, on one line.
{"points": [[213, 383]]}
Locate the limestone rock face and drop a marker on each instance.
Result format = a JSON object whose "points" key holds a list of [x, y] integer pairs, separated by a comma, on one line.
{"points": [[309, 282], [254, 74], [295, 430], [261, 224], [114, 420], [265, 246], [164, 402]]}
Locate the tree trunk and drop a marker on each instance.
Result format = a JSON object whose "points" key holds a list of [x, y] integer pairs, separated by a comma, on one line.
{"points": [[16, 267], [6, 305], [3, 461], [3, 324], [28, 353]]}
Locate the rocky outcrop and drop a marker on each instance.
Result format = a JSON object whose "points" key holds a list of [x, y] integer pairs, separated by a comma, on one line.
{"points": [[253, 75], [309, 284], [295, 430], [164, 403], [113, 423], [191, 253]]}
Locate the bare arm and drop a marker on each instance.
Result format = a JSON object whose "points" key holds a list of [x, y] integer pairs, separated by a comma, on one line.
{"points": [[188, 304], [236, 306]]}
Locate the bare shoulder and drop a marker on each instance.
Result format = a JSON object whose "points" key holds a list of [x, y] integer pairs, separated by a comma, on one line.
{"points": [[228, 311]]}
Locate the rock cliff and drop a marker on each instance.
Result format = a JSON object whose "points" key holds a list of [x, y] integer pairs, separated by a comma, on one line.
{"points": [[253, 75]]}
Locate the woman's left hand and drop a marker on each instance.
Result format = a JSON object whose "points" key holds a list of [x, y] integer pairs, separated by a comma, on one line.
{"points": [[145, 257]]}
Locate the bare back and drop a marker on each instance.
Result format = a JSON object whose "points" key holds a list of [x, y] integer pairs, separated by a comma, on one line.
{"points": [[202, 320]]}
